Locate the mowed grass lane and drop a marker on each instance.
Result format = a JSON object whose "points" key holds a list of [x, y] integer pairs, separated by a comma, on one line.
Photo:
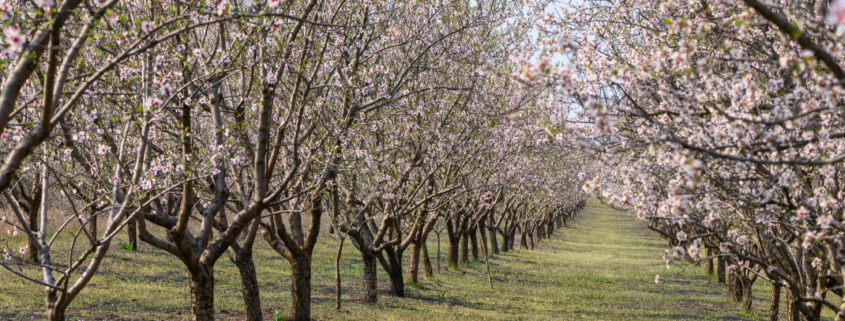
{"points": [[601, 267]]}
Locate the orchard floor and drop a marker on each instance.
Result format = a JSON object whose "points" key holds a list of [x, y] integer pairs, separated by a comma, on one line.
{"points": [[602, 267]]}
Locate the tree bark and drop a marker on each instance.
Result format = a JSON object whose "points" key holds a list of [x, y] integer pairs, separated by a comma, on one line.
{"points": [[709, 261], [370, 278], [414, 262], [465, 247], [531, 243], [55, 310], [774, 307], [300, 289], [202, 294], [249, 285], [133, 236], [452, 260], [473, 237], [427, 269], [391, 261], [720, 269], [523, 241], [494, 243]]}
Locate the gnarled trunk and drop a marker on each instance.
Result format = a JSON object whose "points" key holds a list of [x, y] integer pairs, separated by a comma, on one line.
{"points": [[370, 277], [720, 269], [300, 289], [202, 294]]}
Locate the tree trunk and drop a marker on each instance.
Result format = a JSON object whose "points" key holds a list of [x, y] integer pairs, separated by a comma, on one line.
{"points": [[494, 243], [131, 231], [531, 243], [774, 308], [473, 237], [300, 289], [414, 262], [709, 261], [33, 226], [202, 294], [483, 233], [55, 310], [511, 240], [720, 269], [249, 285], [792, 312], [370, 278], [452, 260], [391, 261], [505, 242], [465, 247], [438, 253], [523, 242], [337, 284], [429, 271], [747, 295]]}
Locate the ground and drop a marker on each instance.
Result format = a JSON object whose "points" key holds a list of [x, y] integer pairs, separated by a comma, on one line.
{"points": [[601, 267]]}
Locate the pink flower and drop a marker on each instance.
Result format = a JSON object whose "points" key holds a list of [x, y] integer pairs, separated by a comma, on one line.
{"points": [[195, 17], [154, 102], [102, 149], [14, 37], [146, 26], [45, 3], [22, 250], [222, 7], [166, 89], [274, 3], [836, 12]]}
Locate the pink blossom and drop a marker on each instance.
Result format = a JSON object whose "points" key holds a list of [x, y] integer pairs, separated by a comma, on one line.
{"points": [[836, 12], [146, 26], [14, 37]]}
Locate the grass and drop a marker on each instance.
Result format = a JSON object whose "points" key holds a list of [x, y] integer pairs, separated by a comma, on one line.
{"points": [[602, 267]]}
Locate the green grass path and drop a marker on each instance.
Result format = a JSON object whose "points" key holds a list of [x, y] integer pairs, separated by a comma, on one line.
{"points": [[601, 267]]}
